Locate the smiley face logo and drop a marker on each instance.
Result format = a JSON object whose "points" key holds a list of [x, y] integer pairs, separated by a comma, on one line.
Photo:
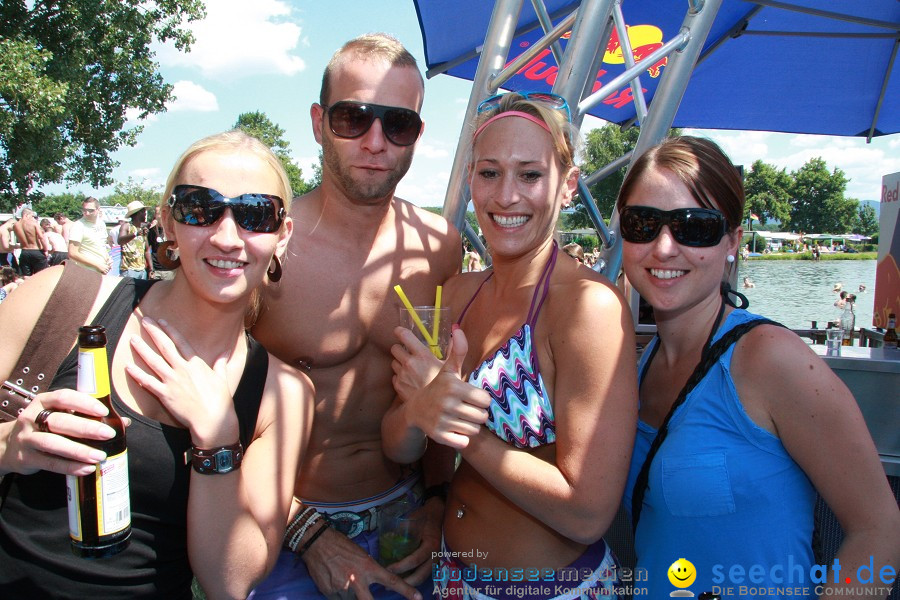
{"points": [[682, 573]]}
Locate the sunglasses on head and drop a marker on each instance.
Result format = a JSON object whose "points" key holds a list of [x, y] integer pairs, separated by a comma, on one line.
{"points": [[350, 120], [694, 227], [201, 207], [553, 101]]}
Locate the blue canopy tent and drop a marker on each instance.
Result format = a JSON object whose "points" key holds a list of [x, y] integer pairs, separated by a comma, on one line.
{"points": [[804, 66]]}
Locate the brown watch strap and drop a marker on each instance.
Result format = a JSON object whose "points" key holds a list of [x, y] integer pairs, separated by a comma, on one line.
{"points": [[223, 459]]}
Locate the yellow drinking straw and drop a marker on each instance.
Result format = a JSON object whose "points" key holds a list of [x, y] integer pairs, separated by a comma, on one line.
{"points": [[412, 313], [437, 318], [432, 340]]}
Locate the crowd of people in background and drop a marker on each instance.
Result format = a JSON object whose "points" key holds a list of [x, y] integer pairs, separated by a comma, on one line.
{"points": [[30, 243]]}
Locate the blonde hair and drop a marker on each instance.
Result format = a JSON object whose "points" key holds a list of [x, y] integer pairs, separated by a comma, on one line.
{"points": [[234, 140], [563, 133], [371, 45]]}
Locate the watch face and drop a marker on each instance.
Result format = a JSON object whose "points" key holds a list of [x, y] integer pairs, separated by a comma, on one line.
{"points": [[224, 461]]}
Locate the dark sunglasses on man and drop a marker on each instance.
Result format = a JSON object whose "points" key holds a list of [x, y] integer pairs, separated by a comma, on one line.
{"points": [[348, 119], [694, 227], [199, 206]]}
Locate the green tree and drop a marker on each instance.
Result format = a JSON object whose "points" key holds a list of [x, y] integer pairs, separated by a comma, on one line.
{"points": [[123, 193], [69, 204], [601, 147], [68, 73], [316, 179], [866, 221], [768, 192], [262, 128], [818, 204]]}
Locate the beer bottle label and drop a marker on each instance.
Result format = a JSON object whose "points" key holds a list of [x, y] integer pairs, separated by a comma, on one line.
{"points": [[74, 508], [93, 372], [113, 505], [112, 494]]}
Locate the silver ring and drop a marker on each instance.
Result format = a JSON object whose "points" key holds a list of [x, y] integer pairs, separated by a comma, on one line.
{"points": [[41, 420]]}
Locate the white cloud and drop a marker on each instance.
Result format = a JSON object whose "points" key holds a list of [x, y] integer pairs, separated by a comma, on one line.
{"points": [[423, 186], [132, 116], [431, 151], [863, 164], [190, 96], [239, 38], [743, 147]]}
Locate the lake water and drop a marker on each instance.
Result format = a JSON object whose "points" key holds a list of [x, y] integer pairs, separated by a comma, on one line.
{"points": [[797, 292]]}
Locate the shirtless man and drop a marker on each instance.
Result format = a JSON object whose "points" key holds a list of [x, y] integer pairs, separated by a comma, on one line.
{"points": [[7, 246], [63, 225], [35, 247], [59, 248], [334, 314]]}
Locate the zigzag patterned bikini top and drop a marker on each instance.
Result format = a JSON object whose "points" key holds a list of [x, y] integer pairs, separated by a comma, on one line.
{"points": [[520, 412]]}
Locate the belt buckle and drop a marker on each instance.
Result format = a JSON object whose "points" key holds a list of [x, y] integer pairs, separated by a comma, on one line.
{"points": [[349, 523]]}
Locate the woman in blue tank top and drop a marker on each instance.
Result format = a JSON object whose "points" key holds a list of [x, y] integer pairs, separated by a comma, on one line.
{"points": [[723, 478], [538, 395]]}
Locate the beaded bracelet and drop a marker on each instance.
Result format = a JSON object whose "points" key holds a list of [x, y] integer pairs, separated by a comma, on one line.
{"points": [[296, 523], [325, 525], [295, 540]]}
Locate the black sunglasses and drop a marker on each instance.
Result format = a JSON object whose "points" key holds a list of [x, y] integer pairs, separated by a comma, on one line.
{"points": [[352, 119], [694, 227], [201, 207]]}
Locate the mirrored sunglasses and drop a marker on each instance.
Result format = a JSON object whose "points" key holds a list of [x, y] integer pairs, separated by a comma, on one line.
{"points": [[553, 101], [351, 120], [694, 227], [201, 207]]}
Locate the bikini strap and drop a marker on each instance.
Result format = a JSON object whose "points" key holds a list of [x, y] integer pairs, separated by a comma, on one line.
{"points": [[472, 299], [542, 288]]}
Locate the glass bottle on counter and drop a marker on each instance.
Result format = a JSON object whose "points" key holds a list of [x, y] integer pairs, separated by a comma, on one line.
{"points": [[848, 323], [890, 336], [99, 503]]}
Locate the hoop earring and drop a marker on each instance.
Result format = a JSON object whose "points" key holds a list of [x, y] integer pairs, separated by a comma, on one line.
{"points": [[167, 255], [275, 272]]}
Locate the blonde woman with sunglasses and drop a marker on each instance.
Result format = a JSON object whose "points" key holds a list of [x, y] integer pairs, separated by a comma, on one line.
{"points": [[192, 382]]}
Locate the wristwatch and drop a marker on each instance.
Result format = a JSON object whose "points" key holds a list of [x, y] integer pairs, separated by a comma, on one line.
{"points": [[224, 459]]}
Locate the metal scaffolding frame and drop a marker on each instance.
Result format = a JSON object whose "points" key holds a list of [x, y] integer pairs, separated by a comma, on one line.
{"points": [[578, 66]]}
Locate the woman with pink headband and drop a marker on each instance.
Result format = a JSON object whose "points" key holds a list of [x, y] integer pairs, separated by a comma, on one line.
{"points": [[538, 392]]}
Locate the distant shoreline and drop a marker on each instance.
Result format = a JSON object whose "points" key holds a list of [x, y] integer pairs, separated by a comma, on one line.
{"points": [[823, 256]]}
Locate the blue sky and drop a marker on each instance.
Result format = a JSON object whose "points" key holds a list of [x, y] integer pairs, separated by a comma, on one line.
{"points": [[268, 55]]}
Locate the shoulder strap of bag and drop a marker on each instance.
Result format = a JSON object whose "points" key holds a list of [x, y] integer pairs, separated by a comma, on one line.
{"points": [[51, 339], [708, 359]]}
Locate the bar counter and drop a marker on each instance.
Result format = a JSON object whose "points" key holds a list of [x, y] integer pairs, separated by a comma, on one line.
{"points": [[873, 375]]}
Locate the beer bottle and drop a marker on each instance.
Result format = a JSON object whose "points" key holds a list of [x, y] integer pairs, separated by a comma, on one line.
{"points": [[848, 323], [890, 336], [99, 503]]}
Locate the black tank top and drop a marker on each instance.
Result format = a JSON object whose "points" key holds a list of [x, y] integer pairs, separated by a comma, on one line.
{"points": [[35, 559]]}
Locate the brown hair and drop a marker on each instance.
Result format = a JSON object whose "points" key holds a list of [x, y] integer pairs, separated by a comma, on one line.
{"points": [[702, 166], [369, 46]]}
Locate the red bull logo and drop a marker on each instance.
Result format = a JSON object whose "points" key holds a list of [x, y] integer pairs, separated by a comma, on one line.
{"points": [[644, 40]]}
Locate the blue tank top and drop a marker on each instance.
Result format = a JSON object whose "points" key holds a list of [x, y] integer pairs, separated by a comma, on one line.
{"points": [[724, 494], [520, 413]]}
